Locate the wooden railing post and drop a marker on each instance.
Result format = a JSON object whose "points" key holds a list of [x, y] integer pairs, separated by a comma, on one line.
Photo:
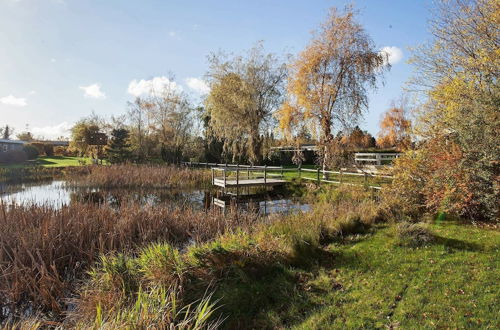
{"points": [[224, 170], [213, 176], [366, 178], [341, 176], [237, 179], [265, 174], [281, 172], [300, 170], [318, 179]]}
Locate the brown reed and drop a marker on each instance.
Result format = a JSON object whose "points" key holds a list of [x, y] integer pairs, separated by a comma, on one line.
{"points": [[138, 176], [43, 250]]}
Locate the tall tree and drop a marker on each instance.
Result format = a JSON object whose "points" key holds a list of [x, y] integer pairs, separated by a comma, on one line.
{"points": [[7, 131], [83, 135], [395, 127], [118, 150], [170, 117], [244, 93], [329, 80]]}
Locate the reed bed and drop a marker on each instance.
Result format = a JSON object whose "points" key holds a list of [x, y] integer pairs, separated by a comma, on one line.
{"points": [[138, 176], [28, 174], [43, 250]]}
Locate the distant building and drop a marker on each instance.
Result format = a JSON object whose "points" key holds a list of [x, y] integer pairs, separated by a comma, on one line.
{"points": [[11, 145]]}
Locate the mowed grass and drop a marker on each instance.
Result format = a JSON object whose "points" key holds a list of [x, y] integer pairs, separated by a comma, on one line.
{"points": [[52, 161], [62, 161], [375, 283]]}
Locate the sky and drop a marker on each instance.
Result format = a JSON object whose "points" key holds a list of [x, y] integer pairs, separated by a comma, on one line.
{"points": [[62, 59]]}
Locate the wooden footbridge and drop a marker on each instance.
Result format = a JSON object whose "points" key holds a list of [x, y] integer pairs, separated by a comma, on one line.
{"points": [[240, 183]]}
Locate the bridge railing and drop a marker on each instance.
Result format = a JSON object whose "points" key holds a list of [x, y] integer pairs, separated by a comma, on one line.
{"points": [[235, 171]]}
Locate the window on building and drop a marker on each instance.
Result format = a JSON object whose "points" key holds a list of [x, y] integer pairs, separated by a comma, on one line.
{"points": [[5, 148]]}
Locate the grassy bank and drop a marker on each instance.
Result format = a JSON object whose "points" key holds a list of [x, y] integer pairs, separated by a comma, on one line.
{"points": [[354, 277]]}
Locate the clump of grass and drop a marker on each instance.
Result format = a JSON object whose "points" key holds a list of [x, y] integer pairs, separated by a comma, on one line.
{"points": [[154, 307], [413, 234], [138, 176]]}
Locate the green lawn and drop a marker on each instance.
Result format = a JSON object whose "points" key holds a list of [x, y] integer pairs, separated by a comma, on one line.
{"points": [[452, 283], [54, 161], [62, 161], [369, 281]]}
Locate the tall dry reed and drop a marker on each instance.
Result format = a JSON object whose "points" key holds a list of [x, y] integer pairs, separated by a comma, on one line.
{"points": [[139, 176], [43, 250]]}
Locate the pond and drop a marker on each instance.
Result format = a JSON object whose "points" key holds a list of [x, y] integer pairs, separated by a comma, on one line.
{"points": [[58, 193]]}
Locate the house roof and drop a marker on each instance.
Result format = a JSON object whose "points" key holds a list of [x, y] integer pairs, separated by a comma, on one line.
{"points": [[12, 141]]}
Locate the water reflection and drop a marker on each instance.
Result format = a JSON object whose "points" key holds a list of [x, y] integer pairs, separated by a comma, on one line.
{"points": [[57, 194]]}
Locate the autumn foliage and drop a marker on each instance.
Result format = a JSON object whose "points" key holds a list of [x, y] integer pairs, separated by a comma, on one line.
{"points": [[394, 129]]}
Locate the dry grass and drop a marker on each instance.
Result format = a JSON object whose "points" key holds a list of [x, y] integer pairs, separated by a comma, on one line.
{"points": [[138, 176], [43, 250]]}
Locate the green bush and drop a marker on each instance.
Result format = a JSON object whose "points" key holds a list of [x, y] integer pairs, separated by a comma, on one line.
{"points": [[31, 151]]}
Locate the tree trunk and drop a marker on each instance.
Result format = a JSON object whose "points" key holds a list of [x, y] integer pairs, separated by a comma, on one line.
{"points": [[326, 126]]}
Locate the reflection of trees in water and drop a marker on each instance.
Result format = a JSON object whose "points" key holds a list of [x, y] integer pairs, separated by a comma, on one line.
{"points": [[117, 198]]}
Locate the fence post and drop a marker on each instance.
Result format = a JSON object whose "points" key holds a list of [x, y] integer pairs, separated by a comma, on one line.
{"points": [[318, 179], [366, 178], [237, 179], [282, 171], [224, 170], [341, 176], [265, 174], [300, 171], [213, 176]]}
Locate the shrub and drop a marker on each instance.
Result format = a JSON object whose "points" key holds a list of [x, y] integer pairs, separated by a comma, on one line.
{"points": [[61, 151], [413, 234], [31, 151], [48, 149]]}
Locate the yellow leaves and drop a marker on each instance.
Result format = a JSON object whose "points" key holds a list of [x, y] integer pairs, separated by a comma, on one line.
{"points": [[394, 129], [327, 82]]}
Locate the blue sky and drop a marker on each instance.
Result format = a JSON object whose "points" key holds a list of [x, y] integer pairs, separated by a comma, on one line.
{"points": [[62, 59]]}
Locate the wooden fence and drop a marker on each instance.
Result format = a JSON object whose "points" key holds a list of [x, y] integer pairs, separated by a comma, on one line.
{"points": [[317, 175]]}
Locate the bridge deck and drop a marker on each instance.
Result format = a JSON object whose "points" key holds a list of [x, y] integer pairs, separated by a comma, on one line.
{"points": [[247, 182]]}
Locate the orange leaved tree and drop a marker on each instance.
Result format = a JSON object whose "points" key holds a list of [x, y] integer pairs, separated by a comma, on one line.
{"points": [[329, 81]]}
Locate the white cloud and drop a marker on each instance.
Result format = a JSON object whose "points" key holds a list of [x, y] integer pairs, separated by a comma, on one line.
{"points": [[198, 85], [394, 54], [149, 87], [14, 101], [52, 132], [93, 91]]}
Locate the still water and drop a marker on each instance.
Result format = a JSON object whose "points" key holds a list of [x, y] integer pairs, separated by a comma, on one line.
{"points": [[58, 193]]}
